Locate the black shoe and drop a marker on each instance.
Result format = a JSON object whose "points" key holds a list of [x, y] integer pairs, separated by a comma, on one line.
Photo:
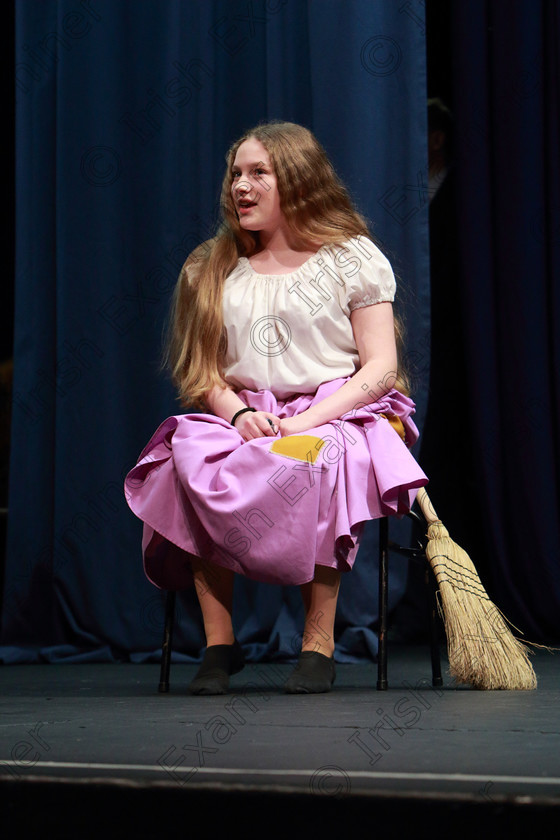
{"points": [[218, 664], [313, 674]]}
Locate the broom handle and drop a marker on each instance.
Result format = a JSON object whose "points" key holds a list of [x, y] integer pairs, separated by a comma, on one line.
{"points": [[427, 507]]}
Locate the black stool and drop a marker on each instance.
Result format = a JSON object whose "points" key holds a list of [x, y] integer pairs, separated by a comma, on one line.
{"points": [[413, 554], [384, 547]]}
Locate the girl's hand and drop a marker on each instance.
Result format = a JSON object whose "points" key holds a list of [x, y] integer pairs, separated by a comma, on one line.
{"points": [[296, 425], [257, 424]]}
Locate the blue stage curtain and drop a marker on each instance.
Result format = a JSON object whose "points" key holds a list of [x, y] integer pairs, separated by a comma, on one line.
{"points": [[506, 103], [124, 113]]}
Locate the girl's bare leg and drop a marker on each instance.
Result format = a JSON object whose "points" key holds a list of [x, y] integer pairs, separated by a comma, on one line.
{"points": [[214, 588], [319, 599], [223, 656], [315, 670]]}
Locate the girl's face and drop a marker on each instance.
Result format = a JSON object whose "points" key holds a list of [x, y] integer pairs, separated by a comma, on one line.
{"points": [[255, 190]]}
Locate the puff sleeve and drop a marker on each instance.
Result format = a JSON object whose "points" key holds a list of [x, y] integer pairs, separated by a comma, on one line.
{"points": [[366, 274]]}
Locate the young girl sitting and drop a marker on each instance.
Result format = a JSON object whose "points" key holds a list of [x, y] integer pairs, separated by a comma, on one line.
{"points": [[283, 333]]}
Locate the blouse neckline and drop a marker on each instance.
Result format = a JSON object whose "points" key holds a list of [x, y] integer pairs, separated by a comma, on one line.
{"points": [[286, 273]]}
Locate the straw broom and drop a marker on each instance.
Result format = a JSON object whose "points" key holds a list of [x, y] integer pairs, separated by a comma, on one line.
{"points": [[481, 648]]}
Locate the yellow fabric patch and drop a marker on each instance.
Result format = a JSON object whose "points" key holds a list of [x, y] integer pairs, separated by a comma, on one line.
{"points": [[396, 423], [300, 447]]}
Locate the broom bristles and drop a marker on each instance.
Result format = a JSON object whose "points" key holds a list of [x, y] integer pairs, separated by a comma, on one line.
{"points": [[481, 647]]}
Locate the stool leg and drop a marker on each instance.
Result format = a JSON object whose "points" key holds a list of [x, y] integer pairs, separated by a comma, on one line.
{"points": [[383, 589], [167, 643], [433, 616]]}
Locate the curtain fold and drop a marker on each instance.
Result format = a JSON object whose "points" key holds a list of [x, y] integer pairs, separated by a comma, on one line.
{"points": [[506, 102]]}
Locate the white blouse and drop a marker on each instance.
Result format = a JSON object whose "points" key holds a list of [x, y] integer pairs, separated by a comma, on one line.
{"points": [[288, 333]]}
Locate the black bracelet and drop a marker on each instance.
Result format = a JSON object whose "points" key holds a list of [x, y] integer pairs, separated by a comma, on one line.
{"points": [[241, 411]]}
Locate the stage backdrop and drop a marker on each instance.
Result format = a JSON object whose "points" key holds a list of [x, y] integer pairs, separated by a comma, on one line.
{"points": [[124, 114], [507, 104]]}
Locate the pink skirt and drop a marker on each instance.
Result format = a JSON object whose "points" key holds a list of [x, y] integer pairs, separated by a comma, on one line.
{"points": [[271, 508]]}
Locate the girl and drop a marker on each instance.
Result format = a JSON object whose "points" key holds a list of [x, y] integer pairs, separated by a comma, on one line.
{"points": [[282, 331]]}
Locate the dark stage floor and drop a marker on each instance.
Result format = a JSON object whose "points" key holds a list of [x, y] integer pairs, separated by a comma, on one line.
{"points": [[79, 742]]}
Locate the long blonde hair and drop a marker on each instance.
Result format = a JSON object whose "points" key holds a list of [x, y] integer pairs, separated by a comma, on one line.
{"points": [[318, 211]]}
